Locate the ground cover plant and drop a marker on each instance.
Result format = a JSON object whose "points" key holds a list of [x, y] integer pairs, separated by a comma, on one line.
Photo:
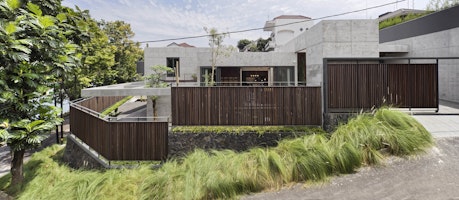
{"points": [[364, 140], [113, 109], [401, 19]]}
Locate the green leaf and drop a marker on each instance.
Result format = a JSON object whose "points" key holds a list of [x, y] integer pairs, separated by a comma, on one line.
{"points": [[19, 57], [46, 21], [4, 134], [61, 17], [34, 9], [10, 28], [13, 4], [21, 48], [27, 42]]}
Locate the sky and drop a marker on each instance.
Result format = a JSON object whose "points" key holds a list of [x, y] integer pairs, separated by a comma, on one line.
{"points": [[164, 19]]}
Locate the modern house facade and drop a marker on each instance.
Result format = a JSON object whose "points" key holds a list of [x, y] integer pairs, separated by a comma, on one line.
{"points": [[297, 61], [326, 73]]}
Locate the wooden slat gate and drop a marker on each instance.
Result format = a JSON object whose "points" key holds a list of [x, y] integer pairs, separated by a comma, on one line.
{"points": [[351, 87], [246, 106]]}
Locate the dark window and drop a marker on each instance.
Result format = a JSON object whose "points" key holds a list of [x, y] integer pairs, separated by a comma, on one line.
{"points": [[174, 64]]}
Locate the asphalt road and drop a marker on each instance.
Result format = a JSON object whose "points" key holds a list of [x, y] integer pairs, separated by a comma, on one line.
{"points": [[434, 175]]}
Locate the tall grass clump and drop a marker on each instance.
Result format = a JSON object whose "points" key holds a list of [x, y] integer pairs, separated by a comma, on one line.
{"points": [[364, 140]]}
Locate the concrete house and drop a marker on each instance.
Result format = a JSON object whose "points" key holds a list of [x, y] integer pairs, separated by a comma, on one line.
{"points": [[296, 58]]}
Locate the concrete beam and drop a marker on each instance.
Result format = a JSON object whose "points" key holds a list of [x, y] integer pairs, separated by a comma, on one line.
{"points": [[400, 48], [125, 89]]}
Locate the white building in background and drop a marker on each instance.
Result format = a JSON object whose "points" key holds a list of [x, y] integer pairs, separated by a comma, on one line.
{"points": [[284, 28]]}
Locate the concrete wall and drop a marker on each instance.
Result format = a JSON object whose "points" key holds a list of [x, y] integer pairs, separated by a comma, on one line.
{"points": [[334, 38], [283, 34], [329, 38], [438, 44], [189, 63], [250, 59]]}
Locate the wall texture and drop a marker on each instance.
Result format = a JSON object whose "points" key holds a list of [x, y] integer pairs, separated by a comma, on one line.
{"points": [[334, 38], [181, 144]]}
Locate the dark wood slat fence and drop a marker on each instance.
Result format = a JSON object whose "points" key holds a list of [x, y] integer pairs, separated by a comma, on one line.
{"points": [[246, 106], [120, 140], [350, 87]]}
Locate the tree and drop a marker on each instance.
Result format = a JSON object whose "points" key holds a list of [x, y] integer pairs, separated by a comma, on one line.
{"points": [[441, 4], [155, 79], [254, 46], [261, 44], [97, 61], [127, 52], [241, 44], [33, 47], [217, 48]]}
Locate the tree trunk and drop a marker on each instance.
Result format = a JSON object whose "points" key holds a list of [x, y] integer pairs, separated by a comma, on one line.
{"points": [[16, 167]]}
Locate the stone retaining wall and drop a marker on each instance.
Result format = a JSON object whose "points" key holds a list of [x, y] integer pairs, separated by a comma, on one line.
{"points": [[332, 120], [182, 143], [79, 157]]}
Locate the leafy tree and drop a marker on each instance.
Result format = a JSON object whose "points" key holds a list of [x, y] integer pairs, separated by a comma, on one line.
{"points": [[261, 43], [155, 79], [441, 4], [241, 44], [98, 59], [33, 48], [127, 52], [254, 46], [217, 48]]}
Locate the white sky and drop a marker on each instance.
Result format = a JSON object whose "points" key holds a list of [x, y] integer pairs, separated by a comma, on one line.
{"points": [[164, 19]]}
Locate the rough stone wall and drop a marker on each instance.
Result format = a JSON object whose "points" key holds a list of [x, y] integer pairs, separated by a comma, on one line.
{"points": [[332, 120], [79, 157], [182, 143]]}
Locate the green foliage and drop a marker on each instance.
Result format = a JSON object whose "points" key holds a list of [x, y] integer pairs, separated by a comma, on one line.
{"points": [[114, 107], [155, 79], [35, 53], [227, 174], [242, 43], [109, 56], [217, 48], [400, 19], [127, 52], [246, 129], [254, 46]]}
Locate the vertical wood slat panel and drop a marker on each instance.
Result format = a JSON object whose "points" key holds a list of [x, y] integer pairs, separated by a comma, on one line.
{"points": [[120, 140], [246, 106], [352, 87]]}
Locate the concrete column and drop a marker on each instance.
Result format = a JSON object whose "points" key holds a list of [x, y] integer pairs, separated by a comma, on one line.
{"points": [[295, 72], [163, 106], [150, 113]]}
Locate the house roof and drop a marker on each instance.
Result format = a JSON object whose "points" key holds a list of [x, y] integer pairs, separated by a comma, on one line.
{"points": [[183, 44], [291, 17], [399, 12]]}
